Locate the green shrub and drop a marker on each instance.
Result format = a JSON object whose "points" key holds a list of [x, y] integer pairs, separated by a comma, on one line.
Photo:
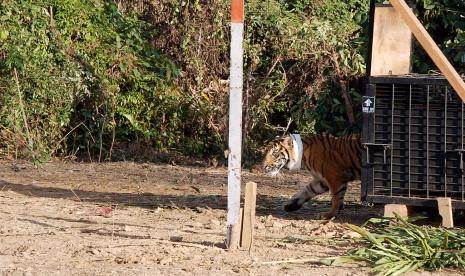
{"points": [[295, 51], [95, 77], [84, 66]]}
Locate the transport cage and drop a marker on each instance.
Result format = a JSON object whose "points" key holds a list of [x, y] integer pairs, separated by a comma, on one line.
{"points": [[413, 141]]}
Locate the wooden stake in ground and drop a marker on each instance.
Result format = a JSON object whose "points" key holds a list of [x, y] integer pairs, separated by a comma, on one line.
{"points": [[235, 124], [248, 216], [430, 47]]}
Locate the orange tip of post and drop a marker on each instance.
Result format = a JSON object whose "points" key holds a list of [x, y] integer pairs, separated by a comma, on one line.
{"points": [[237, 11]]}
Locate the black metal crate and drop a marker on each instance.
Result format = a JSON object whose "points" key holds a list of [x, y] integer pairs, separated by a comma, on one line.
{"points": [[413, 141]]}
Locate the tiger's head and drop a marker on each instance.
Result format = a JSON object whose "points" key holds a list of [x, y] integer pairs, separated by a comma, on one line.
{"points": [[283, 152]]}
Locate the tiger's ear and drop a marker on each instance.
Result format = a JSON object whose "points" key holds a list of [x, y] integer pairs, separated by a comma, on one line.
{"points": [[287, 141]]}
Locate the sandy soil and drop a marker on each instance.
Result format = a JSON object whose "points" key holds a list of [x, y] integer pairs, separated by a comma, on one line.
{"points": [[145, 219]]}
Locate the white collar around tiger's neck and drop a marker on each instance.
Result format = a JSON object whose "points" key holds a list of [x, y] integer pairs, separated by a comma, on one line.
{"points": [[298, 148]]}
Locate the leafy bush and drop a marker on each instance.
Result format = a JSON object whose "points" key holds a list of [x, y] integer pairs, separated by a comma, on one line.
{"points": [[84, 65], [445, 21], [295, 51], [96, 76], [299, 51]]}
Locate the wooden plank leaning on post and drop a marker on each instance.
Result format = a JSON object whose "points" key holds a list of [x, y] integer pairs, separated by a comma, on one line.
{"points": [[430, 47], [248, 216]]}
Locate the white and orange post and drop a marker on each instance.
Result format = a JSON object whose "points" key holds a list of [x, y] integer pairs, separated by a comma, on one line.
{"points": [[235, 124]]}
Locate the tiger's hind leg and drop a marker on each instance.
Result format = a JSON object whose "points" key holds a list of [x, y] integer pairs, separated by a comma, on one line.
{"points": [[314, 188], [337, 202]]}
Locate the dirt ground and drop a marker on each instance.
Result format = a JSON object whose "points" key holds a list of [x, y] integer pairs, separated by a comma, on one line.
{"points": [[145, 219]]}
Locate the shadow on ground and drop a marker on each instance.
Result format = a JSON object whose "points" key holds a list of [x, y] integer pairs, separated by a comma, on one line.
{"points": [[266, 205]]}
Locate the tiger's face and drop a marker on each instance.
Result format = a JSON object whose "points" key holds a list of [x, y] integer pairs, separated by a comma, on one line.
{"points": [[277, 155]]}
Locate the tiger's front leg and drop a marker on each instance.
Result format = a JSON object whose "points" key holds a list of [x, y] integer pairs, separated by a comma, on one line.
{"points": [[316, 187]]}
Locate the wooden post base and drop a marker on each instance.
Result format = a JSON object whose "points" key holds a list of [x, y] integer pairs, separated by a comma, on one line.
{"points": [[233, 233], [445, 210], [399, 209]]}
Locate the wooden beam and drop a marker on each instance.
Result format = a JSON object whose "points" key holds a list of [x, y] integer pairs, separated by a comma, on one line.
{"points": [[248, 218], [430, 47]]}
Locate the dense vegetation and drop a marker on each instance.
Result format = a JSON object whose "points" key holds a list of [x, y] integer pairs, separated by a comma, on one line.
{"points": [[96, 78]]}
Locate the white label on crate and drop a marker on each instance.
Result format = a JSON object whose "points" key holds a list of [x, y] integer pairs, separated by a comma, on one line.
{"points": [[368, 104]]}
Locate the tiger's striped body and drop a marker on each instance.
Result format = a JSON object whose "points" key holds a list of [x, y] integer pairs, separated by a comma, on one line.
{"points": [[332, 161]]}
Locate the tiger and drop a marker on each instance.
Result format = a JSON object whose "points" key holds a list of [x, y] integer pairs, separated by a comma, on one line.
{"points": [[332, 162]]}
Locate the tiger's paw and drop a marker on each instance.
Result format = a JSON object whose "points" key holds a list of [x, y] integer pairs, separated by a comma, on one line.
{"points": [[292, 205], [326, 216]]}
